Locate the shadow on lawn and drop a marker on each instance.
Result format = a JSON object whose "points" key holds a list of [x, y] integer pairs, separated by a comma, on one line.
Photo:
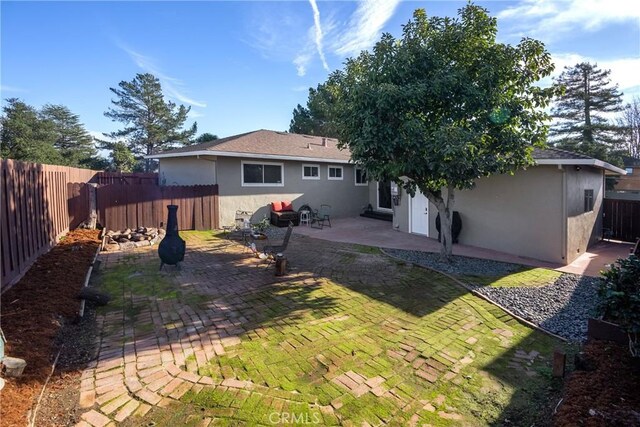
{"points": [[221, 294]]}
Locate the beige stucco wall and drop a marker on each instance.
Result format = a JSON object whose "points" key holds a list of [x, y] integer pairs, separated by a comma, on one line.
{"points": [[345, 198], [521, 214], [583, 228], [187, 171]]}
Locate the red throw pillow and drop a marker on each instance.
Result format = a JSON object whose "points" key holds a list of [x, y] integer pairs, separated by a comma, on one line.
{"points": [[287, 205], [276, 206]]}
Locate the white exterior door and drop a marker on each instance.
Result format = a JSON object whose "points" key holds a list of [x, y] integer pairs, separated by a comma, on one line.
{"points": [[420, 214]]}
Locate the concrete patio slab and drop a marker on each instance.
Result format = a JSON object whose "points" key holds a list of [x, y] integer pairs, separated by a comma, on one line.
{"points": [[373, 232]]}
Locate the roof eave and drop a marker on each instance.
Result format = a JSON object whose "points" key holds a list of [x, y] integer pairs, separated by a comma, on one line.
{"points": [[245, 155], [583, 162]]}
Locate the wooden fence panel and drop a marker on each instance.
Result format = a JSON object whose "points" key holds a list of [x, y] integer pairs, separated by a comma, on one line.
{"points": [[137, 178], [78, 203], [34, 212], [622, 219], [123, 206]]}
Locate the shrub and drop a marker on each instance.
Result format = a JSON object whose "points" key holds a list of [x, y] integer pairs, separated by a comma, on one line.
{"points": [[620, 292]]}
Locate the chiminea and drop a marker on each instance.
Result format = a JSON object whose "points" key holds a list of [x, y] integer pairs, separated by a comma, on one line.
{"points": [[172, 247]]}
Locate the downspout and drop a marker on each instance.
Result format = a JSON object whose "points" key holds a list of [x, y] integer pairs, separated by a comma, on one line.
{"points": [[564, 227]]}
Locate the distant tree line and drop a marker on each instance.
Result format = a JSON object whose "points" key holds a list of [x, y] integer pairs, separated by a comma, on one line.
{"points": [[55, 135], [588, 115]]}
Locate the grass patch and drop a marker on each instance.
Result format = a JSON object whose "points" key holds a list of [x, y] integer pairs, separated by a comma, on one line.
{"points": [[136, 276], [525, 277], [363, 249]]}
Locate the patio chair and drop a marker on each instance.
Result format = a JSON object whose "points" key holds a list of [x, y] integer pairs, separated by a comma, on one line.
{"points": [[321, 217], [241, 228], [272, 250]]}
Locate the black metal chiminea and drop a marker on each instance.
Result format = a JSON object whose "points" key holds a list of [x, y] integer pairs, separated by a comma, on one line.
{"points": [[172, 247]]}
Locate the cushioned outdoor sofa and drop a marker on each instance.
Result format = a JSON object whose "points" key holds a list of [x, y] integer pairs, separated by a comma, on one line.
{"points": [[282, 213]]}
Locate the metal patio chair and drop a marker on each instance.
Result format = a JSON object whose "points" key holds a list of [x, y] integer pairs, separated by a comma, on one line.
{"points": [[321, 217]]}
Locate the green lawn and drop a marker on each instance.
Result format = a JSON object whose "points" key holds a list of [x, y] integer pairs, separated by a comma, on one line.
{"points": [[368, 342]]}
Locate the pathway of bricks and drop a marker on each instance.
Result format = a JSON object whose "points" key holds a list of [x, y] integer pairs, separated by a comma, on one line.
{"points": [[347, 337]]}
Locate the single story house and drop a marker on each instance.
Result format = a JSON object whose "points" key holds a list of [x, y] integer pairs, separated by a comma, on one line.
{"points": [[551, 211], [256, 168]]}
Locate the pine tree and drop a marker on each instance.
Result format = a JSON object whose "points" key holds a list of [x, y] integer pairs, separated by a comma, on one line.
{"points": [[73, 141], [151, 123], [25, 136], [314, 119], [581, 124]]}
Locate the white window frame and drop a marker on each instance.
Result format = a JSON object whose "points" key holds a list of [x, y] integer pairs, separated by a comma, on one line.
{"points": [[310, 166], [355, 177], [252, 184], [335, 178]]}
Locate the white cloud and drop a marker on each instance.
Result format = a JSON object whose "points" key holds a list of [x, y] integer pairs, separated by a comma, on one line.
{"points": [[173, 87], [5, 88], [194, 114], [318, 33], [365, 25], [552, 18], [301, 61]]}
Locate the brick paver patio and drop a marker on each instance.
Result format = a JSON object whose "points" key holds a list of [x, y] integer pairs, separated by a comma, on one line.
{"points": [[348, 337]]}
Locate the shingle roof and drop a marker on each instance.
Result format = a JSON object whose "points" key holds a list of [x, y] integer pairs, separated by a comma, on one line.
{"points": [[551, 153], [270, 144], [267, 142]]}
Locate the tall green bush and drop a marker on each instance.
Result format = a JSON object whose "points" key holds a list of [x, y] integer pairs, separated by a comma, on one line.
{"points": [[620, 292]]}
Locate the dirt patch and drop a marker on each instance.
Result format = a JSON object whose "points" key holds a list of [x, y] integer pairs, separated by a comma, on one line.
{"points": [[32, 313], [606, 396]]}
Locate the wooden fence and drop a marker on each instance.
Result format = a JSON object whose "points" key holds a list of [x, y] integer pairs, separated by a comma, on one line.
{"points": [[123, 206], [34, 212], [138, 178], [622, 219]]}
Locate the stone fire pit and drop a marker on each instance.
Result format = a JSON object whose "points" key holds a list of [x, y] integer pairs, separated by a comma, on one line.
{"points": [[129, 239]]}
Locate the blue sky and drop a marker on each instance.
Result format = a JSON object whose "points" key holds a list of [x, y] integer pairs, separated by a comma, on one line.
{"points": [[245, 65]]}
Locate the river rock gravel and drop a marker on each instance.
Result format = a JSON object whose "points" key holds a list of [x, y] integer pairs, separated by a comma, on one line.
{"points": [[562, 308]]}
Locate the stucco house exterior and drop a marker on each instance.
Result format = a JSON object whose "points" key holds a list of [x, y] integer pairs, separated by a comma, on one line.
{"points": [[256, 168], [551, 211]]}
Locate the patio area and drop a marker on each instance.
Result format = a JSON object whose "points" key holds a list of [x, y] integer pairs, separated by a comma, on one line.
{"points": [[372, 232], [348, 337]]}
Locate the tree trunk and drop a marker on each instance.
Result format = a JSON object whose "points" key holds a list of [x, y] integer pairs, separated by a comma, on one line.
{"points": [[147, 161], [445, 209]]}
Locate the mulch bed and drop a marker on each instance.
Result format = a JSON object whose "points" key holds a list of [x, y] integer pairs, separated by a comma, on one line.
{"points": [[609, 395], [32, 312]]}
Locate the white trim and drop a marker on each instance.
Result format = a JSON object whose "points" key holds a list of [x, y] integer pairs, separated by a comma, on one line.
{"points": [[243, 184], [335, 178], [355, 177], [378, 200], [310, 166], [582, 162], [245, 155]]}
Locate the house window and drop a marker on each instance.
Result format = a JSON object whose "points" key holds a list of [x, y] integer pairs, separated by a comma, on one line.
{"points": [[310, 172], [361, 177], [335, 172], [588, 200], [629, 171], [262, 174]]}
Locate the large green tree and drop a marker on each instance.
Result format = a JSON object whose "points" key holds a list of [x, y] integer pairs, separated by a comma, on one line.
{"points": [[315, 118], [151, 123], [73, 142], [442, 106], [587, 96], [122, 159], [25, 136]]}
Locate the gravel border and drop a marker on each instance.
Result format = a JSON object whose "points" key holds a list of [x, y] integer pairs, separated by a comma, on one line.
{"points": [[562, 308]]}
